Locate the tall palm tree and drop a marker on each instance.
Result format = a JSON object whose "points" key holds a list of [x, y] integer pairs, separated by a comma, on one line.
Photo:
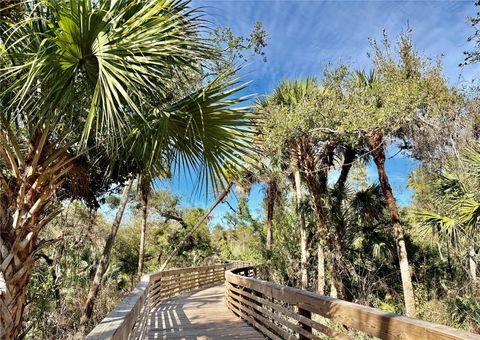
{"points": [[311, 155], [368, 85], [83, 84], [144, 193], [289, 94]]}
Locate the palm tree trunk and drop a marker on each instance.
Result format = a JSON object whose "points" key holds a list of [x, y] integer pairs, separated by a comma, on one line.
{"points": [[144, 194], [318, 207], [331, 271], [449, 262], [337, 241], [440, 252], [321, 270], [270, 197], [15, 270], [472, 263], [377, 148], [26, 206], [316, 178], [196, 226], [304, 235], [103, 263], [349, 156]]}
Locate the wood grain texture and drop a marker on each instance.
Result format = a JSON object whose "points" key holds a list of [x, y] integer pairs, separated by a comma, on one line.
{"points": [[130, 318], [243, 291], [199, 314]]}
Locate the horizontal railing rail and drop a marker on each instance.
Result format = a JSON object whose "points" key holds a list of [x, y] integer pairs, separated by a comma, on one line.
{"points": [[282, 312], [129, 320]]}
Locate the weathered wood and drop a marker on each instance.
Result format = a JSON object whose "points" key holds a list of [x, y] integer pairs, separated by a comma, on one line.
{"points": [[365, 319], [199, 314], [245, 314], [305, 326], [268, 315], [300, 318], [130, 318], [118, 324]]}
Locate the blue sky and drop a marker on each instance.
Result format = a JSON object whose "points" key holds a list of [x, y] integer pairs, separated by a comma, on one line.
{"points": [[305, 36]]}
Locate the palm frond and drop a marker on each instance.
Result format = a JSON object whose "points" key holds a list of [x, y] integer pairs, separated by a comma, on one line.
{"points": [[445, 227], [292, 92], [205, 133], [100, 56]]}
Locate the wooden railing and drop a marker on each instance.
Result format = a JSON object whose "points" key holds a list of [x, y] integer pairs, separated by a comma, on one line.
{"points": [[129, 320], [282, 312]]}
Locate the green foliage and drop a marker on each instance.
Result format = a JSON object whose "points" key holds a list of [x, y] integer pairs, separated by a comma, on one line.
{"points": [[456, 200], [465, 309], [134, 75], [244, 237], [299, 109], [404, 97], [472, 57], [195, 123], [234, 49]]}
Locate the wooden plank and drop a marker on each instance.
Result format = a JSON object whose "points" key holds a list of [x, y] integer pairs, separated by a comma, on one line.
{"points": [[268, 317], [200, 314], [281, 320], [118, 324], [302, 319], [253, 322], [176, 272], [134, 308], [258, 321], [362, 318], [242, 304], [198, 278], [306, 326]]}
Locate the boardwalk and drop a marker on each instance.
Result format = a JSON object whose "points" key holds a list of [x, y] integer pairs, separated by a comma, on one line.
{"points": [[200, 314], [279, 312]]}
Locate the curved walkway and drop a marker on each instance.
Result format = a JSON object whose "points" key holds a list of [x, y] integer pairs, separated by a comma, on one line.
{"points": [[198, 315]]}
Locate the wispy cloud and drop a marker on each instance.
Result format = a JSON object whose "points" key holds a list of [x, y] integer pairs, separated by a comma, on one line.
{"points": [[305, 36]]}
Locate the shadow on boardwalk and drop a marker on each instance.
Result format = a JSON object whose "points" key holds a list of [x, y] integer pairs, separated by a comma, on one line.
{"points": [[200, 314]]}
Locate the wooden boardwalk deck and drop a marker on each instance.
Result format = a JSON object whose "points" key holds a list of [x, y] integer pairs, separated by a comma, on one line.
{"points": [[198, 315]]}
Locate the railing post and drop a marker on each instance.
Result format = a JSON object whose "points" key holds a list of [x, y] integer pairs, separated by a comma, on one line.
{"points": [[307, 314]]}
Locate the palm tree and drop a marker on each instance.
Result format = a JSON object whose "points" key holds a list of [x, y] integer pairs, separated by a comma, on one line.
{"points": [[311, 155], [368, 86], [289, 94], [83, 84], [144, 189], [456, 197]]}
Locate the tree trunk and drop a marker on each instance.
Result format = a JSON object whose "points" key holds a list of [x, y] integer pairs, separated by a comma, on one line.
{"points": [[144, 194], [316, 177], [304, 235], [449, 262], [440, 252], [472, 263], [337, 241], [103, 263], [349, 156], [321, 270], [29, 186], [16, 267], [272, 192], [196, 226], [331, 271], [377, 148]]}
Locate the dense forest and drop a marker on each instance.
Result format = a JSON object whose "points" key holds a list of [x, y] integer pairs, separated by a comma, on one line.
{"points": [[103, 102]]}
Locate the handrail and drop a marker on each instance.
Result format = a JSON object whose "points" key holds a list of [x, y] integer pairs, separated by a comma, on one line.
{"points": [[129, 319], [282, 312]]}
